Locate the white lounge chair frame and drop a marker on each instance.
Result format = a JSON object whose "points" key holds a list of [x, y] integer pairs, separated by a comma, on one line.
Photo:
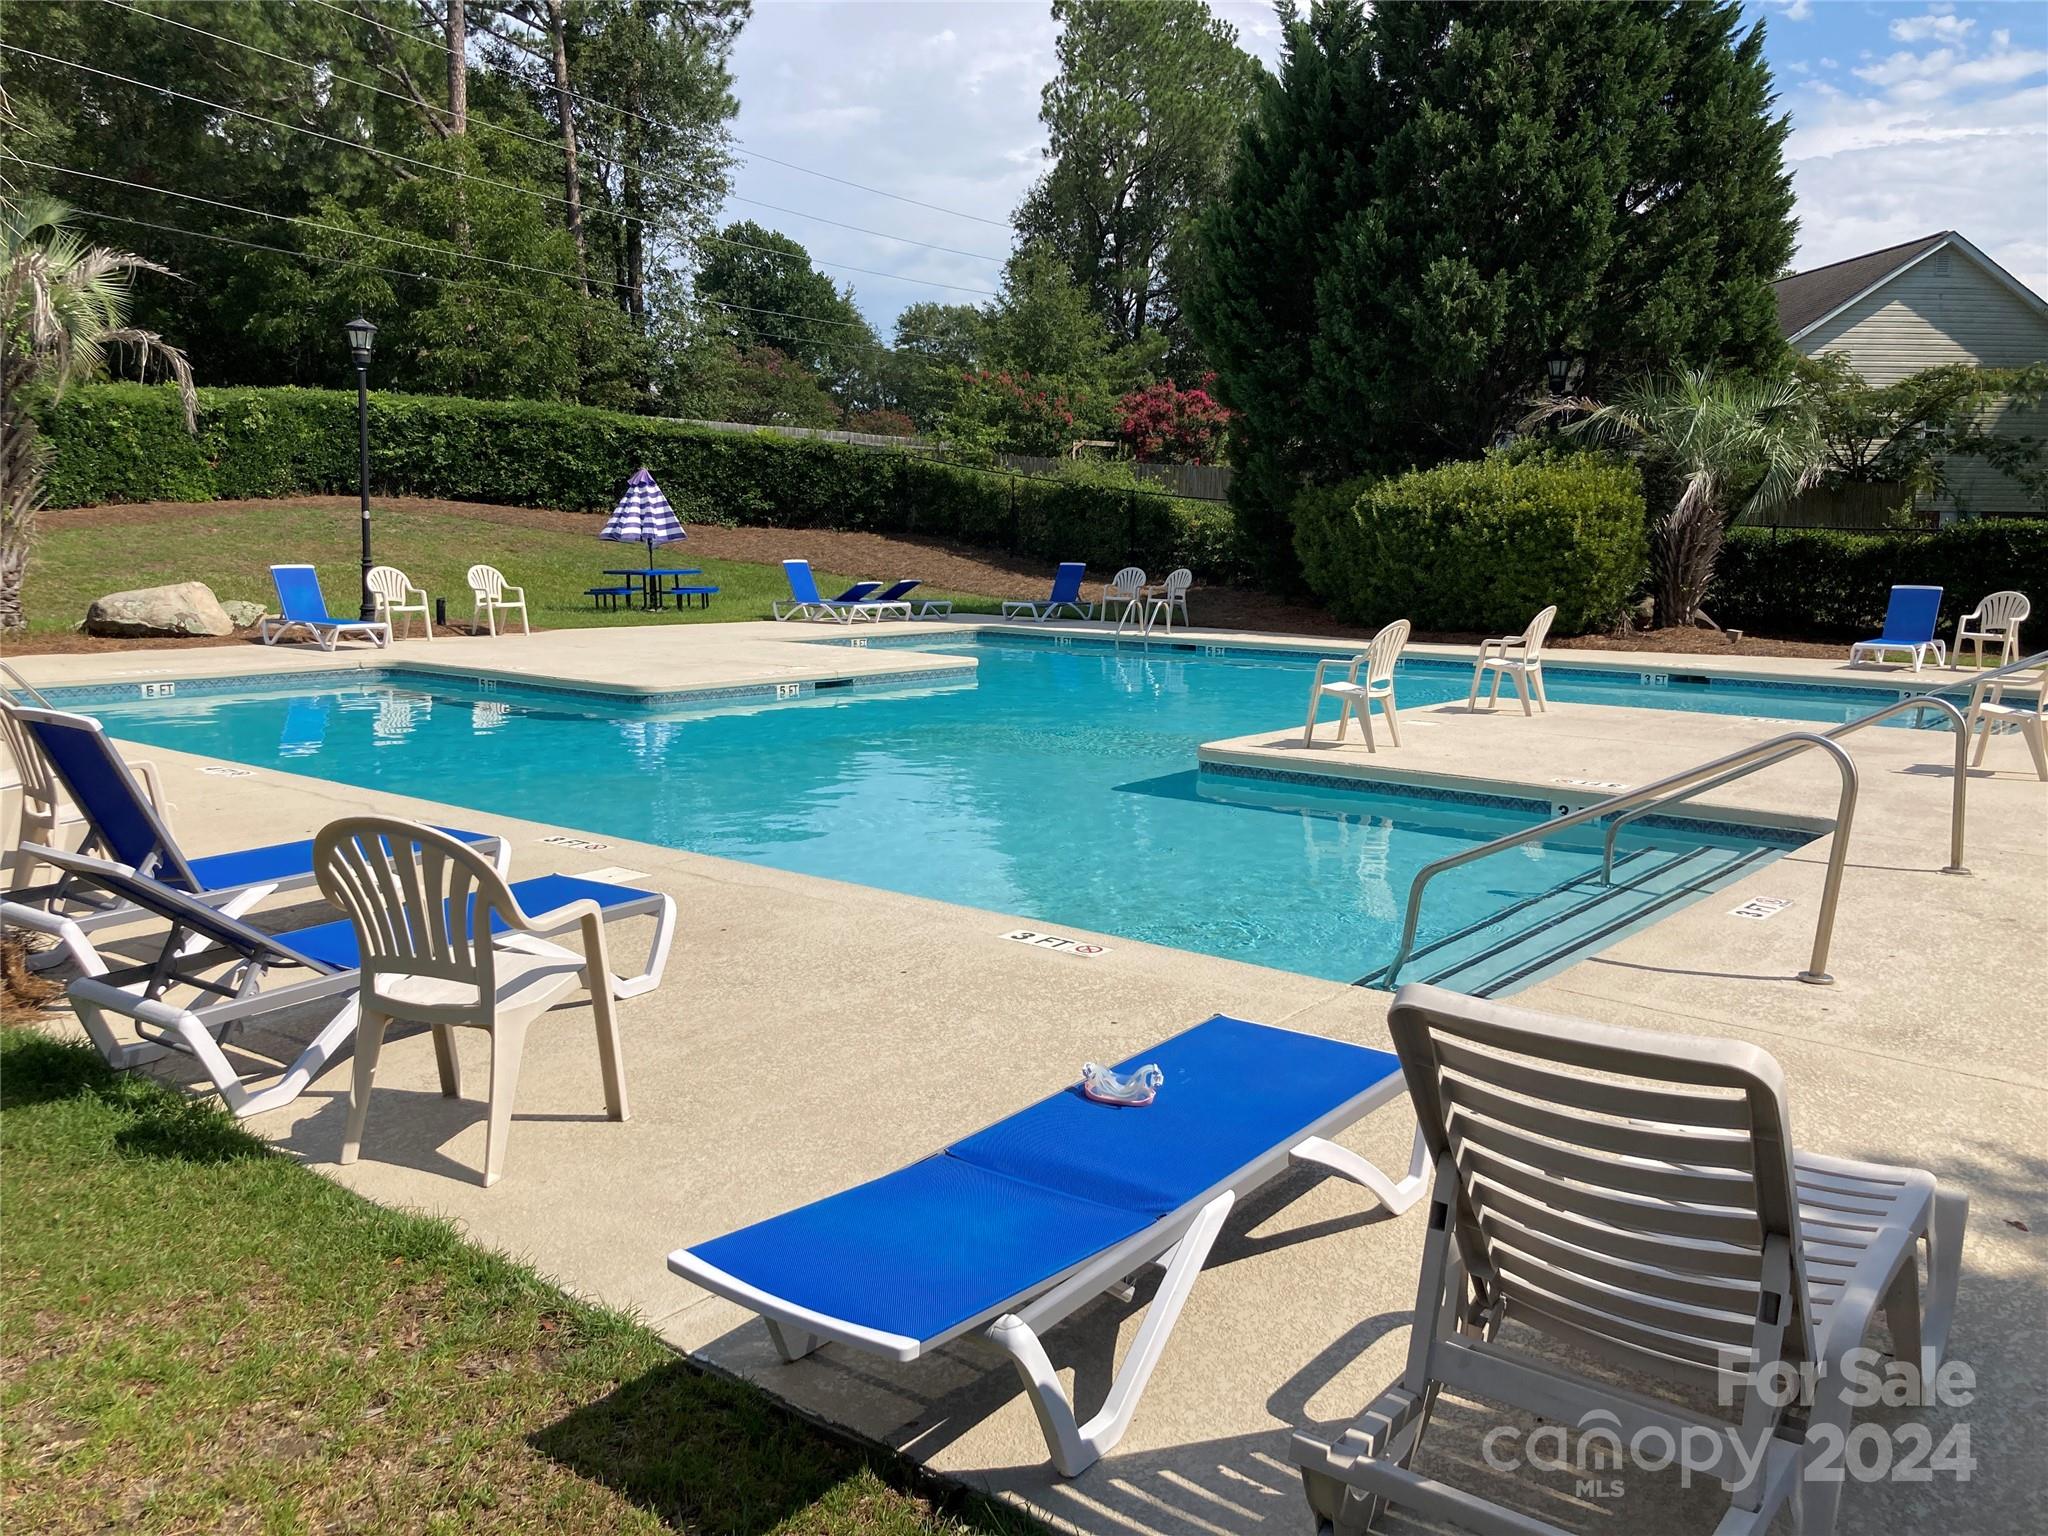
{"points": [[1178, 1244], [489, 587], [240, 993], [273, 627], [1988, 712], [1045, 609], [1357, 698], [394, 593], [1669, 1231], [1518, 658], [1997, 619]]}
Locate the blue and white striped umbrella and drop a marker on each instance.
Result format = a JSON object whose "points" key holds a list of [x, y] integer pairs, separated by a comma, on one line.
{"points": [[643, 516]]}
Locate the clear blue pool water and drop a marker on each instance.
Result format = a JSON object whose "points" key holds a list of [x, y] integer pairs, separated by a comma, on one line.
{"points": [[1059, 784]]}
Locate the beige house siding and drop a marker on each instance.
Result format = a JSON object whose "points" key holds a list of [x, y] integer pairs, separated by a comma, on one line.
{"points": [[1927, 316], [1945, 309]]}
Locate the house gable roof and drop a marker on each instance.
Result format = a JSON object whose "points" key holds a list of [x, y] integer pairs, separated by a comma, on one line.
{"points": [[1805, 299]]}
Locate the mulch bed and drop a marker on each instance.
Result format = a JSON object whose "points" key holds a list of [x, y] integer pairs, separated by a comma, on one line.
{"points": [[940, 563]]}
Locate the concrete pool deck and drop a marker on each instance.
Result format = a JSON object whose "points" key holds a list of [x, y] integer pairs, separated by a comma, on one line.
{"points": [[757, 1085]]}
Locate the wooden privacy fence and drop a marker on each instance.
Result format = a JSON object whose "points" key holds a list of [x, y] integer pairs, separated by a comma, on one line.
{"points": [[1197, 482], [1846, 508]]}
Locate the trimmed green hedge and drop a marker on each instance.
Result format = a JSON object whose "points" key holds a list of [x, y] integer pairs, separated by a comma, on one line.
{"points": [[1834, 586], [127, 442], [1479, 545]]}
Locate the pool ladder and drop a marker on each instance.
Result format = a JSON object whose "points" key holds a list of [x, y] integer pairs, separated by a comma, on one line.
{"points": [[1726, 769]]}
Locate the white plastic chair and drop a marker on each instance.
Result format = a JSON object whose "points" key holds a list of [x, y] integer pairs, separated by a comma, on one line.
{"points": [[1989, 712], [1173, 596], [46, 817], [423, 907], [1127, 590], [489, 587], [1519, 659], [1997, 618], [1359, 695], [394, 595]]}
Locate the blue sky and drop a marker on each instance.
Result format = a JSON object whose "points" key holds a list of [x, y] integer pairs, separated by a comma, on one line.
{"points": [[1906, 118]]}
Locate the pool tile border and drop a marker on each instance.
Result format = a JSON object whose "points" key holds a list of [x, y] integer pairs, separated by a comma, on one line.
{"points": [[423, 678], [1851, 692], [1527, 805]]}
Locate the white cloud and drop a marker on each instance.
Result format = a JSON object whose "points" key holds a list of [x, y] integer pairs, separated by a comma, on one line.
{"points": [[1828, 63], [1873, 171], [1924, 76], [1931, 27], [1795, 10]]}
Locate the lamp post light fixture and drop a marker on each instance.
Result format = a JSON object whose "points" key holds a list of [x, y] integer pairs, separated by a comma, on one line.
{"points": [[1557, 365], [361, 333]]}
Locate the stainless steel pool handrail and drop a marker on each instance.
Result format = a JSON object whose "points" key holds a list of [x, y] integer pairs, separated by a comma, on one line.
{"points": [[1748, 759], [16, 681], [1958, 808], [1924, 701]]}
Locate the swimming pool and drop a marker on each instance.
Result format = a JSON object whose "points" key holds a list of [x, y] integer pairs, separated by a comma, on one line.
{"points": [[1055, 782]]}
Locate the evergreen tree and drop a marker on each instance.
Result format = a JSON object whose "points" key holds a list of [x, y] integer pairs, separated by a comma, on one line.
{"points": [[1262, 248], [1435, 197]]}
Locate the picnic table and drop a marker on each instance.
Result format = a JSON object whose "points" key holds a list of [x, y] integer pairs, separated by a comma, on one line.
{"points": [[648, 580]]}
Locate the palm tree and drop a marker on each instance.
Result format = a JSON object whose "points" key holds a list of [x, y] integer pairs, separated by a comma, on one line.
{"points": [[63, 308], [1724, 443]]}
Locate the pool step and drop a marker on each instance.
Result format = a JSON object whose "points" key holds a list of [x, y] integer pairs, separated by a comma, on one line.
{"points": [[1532, 937]]}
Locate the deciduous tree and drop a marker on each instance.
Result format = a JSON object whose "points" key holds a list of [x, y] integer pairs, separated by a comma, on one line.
{"points": [[1142, 120], [764, 292]]}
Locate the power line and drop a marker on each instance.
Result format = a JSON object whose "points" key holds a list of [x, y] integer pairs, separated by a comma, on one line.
{"points": [[430, 277], [654, 122], [553, 145], [490, 181], [346, 231]]}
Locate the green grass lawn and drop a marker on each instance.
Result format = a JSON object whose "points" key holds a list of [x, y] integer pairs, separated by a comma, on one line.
{"points": [[200, 1335], [231, 550]]}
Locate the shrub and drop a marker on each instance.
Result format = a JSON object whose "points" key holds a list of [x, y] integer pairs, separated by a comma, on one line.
{"points": [[1479, 545], [1163, 422], [126, 442], [1830, 585]]}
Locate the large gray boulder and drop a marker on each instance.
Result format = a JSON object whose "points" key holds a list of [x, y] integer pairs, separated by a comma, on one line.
{"points": [[186, 608]]}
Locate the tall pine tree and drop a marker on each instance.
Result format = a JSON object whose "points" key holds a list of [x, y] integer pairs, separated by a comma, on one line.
{"points": [[1435, 197]]}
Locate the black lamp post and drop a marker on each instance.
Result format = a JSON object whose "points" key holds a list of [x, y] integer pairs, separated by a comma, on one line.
{"points": [[360, 334], [1557, 365]]}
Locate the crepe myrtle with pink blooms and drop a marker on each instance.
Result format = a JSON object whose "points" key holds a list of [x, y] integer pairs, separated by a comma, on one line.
{"points": [[1164, 423]]}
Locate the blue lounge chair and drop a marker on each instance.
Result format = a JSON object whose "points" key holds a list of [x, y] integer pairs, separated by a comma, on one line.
{"points": [[125, 824], [1066, 593], [896, 597], [205, 945], [1909, 620], [299, 596], [805, 603], [1016, 1227]]}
